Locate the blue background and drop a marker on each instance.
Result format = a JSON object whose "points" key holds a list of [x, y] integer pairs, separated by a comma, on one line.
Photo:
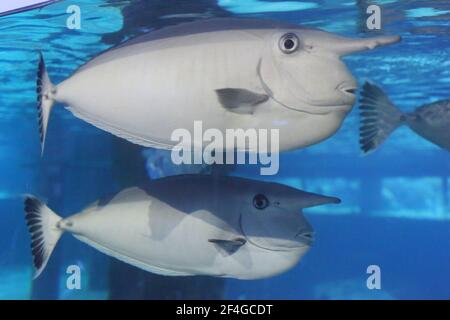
{"points": [[395, 211]]}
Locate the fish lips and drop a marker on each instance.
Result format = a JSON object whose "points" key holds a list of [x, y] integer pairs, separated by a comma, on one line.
{"points": [[318, 109], [306, 237], [344, 101], [348, 88]]}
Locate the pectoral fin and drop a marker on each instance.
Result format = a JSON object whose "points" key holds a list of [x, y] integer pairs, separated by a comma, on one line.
{"points": [[228, 247], [241, 101]]}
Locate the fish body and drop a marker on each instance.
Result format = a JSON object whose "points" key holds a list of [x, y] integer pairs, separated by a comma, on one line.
{"points": [[189, 225], [228, 73], [380, 117], [432, 122]]}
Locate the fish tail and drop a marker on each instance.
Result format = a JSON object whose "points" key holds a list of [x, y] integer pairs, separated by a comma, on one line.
{"points": [[45, 99], [43, 226], [379, 117]]}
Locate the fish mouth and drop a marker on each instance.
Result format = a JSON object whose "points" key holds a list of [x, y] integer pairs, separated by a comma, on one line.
{"points": [[348, 88], [316, 108], [301, 240], [305, 237], [351, 91]]}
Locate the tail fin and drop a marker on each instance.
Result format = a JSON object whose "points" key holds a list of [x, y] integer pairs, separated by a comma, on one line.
{"points": [[379, 117], [45, 92], [44, 231]]}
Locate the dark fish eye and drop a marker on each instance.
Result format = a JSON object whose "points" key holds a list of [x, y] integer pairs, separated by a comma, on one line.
{"points": [[289, 43], [260, 201]]}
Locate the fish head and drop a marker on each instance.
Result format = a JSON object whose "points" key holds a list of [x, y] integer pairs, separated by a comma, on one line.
{"points": [[271, 216], [302, 69]]}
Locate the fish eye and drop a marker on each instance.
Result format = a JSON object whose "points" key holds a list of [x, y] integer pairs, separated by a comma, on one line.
{"points": [[289, 43], [260, 201]]}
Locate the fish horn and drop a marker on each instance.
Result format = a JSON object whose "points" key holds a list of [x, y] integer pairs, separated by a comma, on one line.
{"points": [[308, 199], [345, 46]]}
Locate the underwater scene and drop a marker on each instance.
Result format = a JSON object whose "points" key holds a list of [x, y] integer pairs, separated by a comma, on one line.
{"points": [[348, 199]]}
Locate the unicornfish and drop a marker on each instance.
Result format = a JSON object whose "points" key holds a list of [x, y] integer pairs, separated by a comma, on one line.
{"points": [[188, 225], [227, 73]]}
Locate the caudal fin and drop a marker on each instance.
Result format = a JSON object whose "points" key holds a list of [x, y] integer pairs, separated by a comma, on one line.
{"points": [[45, 98], [43, 227], [379, 117]]}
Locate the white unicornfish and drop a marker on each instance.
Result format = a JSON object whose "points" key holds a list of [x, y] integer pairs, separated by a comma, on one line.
{"points": [[188, 225], [380, 117], [228, 73]]}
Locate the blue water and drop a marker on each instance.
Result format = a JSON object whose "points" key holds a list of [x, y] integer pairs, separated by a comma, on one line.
{"points": [[395, 211]]}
